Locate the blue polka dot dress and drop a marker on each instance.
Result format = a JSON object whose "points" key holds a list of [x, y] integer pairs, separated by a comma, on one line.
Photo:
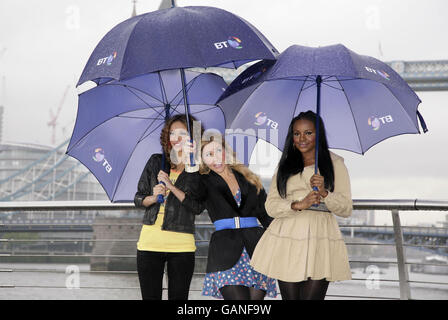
{"points": [[241, 274]]}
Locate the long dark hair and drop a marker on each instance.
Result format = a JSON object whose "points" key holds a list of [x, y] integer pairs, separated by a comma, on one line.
{"points": [[291, 162]]}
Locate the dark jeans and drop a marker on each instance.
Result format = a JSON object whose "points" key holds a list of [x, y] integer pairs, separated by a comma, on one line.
{"points": [[150, 267]]}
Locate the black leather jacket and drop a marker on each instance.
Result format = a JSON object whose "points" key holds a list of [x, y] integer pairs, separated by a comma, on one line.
{"points": [[177, 217], [226, 245]]}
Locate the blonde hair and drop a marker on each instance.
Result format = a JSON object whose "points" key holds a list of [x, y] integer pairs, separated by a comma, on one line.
{"points": [[232, 161]]}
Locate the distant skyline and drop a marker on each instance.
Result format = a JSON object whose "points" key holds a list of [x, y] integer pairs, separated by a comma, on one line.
{"points": [[44, 46]]}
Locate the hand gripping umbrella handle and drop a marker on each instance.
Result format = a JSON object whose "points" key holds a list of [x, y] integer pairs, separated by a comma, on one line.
{"points": [[160, 198], [315, 189]]}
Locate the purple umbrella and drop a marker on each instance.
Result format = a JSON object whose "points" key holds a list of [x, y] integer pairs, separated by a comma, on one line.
{"points": [[125, 62], [174, 38], [361, 100], [118, 123]]}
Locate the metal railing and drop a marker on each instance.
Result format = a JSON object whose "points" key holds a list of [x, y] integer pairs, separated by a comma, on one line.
{"points": [[394, 206]]}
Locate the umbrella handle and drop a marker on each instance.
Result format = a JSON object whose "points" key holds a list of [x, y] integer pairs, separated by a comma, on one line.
{"points": [[160, 198], [315, 189]]}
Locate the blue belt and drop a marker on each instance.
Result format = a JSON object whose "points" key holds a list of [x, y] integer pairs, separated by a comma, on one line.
{"points": [[236, 223]]}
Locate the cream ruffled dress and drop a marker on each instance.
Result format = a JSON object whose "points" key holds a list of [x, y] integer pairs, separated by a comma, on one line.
{"points": [[302, 244]]}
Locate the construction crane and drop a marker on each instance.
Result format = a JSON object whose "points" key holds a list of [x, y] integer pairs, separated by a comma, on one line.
{"points": [[54, 116]]}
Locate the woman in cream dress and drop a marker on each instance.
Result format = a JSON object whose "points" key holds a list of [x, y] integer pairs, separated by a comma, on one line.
{"points": [[303, 249]]}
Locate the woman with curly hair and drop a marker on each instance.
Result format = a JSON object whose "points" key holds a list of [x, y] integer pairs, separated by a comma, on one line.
{"points": [[167, 234]]}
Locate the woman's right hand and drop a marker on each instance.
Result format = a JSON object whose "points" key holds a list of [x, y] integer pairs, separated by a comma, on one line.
{"points": [[150, 200], [311, 198], [159, 189]]}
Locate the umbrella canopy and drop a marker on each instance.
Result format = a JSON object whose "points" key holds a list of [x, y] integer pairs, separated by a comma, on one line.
{"points": [[362, 100], [178, 37], [134, 99], [118, 123]]}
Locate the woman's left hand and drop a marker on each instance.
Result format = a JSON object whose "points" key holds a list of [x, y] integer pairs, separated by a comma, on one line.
{"points": [[319, 182], [163, 177]]}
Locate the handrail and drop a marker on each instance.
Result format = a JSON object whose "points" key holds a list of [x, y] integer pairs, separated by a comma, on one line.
{"points": [[395, 206], [358, 204]]}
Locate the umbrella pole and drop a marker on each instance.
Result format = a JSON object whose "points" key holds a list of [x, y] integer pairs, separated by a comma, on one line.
{"points": [[316, 158], [187, 112], [160, 198]]}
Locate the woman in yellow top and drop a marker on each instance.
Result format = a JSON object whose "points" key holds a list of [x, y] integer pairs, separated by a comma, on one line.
{"points": [[167, 234], [303, 249]]}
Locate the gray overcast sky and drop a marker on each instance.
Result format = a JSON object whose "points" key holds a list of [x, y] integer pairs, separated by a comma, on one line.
{"points": [[44, 46]]}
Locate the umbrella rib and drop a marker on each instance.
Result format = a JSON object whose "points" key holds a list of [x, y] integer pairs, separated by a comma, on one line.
{"points": [[106, 120], [154, 119], [213, 107], [325, 79], [187, 89], [143, 137], [353, 116], [331, 86], [310, 86], [137, 89], [290, 79], [151, 107], [176, 110], [339, 80], [162, 89], [135, 117], [298, 97], [175, 107], [152, 122], [409, 118]]}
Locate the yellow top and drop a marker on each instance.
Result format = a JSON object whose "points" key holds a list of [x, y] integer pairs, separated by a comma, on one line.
{"points": [[153, 238]]}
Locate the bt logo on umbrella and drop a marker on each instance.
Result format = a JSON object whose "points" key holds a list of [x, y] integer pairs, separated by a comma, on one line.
{"points": [[233, 42], [375, 122], [99, 157], [107, 60], [261, 119], [382, 73]]}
